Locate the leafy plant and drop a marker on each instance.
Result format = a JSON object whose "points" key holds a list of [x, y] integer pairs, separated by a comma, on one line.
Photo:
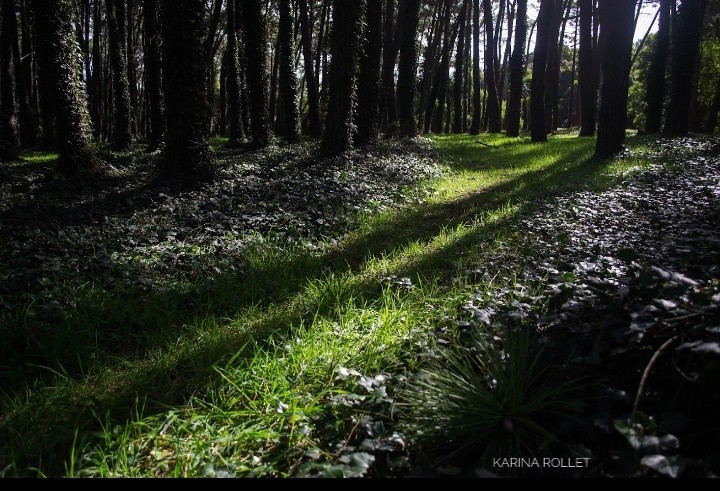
{"points": [[489, 400]]}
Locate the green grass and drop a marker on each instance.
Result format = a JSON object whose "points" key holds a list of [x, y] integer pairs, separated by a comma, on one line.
{"points": [[188, 382]]}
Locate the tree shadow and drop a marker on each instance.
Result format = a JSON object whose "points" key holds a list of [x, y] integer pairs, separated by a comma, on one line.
{"points": [[272, 289]]}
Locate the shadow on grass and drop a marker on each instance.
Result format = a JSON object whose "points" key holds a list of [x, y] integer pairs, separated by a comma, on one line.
{"points": [[114, 361]]}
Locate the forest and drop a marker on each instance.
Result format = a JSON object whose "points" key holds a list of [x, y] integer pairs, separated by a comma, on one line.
{"points": [[359, 238]]}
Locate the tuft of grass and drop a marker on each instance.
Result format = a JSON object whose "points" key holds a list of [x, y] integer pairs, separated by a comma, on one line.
{"points": [[489, 400]]}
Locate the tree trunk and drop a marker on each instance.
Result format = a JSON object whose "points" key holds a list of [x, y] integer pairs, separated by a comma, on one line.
{"points": [[586, 77], [368, 111], [56, 44], [8, 114], [552, 73], [186, 158], [440, 26], [517, 71], [391, 45], [617, 26], [346, 29], [457, 126], [288, 115], [477, 85], [685, 53], [493, 100], [313, 96], [26, 119], [122, 122], [407, 68], [151, 20], [131, 65], [255, 69], [538, 130], [655, 84]]}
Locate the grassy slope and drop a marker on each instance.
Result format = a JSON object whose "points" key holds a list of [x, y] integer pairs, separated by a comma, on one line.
{"points": [[243, 376]]}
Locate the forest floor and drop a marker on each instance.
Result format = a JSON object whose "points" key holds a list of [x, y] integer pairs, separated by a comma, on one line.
{"points": [[303, 318]]}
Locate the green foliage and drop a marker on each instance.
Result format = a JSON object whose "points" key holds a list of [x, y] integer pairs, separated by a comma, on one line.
{"points": [[638, 80], [489, 400]]}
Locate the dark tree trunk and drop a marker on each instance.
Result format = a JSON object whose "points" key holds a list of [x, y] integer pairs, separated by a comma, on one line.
{"points": [[186, 158], [440, 25], [131, 65], [573, 70], [26, 119], [477, 85], [368, 111], [685, 53], [655, 85], [122, 110], [346, 29], [255, 69], [493, 99], [517, 71], [586, 76], [457, 126], [57, 48], [438, 91], [407, 68], [151, 20], [617, 26], [502, 73], [272, 101], [391, 45], [538, 130], [232, 76], [8, 114], [96, 81], [552, 72], [288, 114], [313, 95]]}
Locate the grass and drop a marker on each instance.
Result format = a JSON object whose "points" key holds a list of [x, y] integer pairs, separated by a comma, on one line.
{"points": [[240, 374]]}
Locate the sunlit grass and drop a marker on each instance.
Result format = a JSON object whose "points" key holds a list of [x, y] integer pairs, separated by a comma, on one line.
{"points": [[199, 393]]}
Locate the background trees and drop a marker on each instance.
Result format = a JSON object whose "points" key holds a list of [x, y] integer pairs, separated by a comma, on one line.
{"points": [[281, 66]]}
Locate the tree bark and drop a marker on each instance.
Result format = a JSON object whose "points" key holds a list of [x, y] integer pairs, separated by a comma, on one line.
{"points": [[368, 111], [313, 95], [586, 77], [517, 71], [256, 68], [151, 20], [122, 110], [407, 68], [457, 126], [26, 118], [617, 26], [493, 99], [538, 130], [185, 160], [57, 47], [346, 29], [655, 84], [685, 54], [477, 85], [288, 114], [391, 45], [552, 73], [8, 112]]}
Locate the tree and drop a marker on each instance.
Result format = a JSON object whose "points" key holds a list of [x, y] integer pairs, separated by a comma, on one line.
{"points": [[617, 26], [26, 118], [517, 71], [232, 75], [391, 45], [459, 70], [122, 110], [493, 98], [255, 69], [477, 86], [368, 111], [8, 112], [407, 68], [685, 53], [338, 134], [538, 130], [156, 120], [56, 46], [186, 158], [313, 95], [586, 76], [655, 83], [289, 113]]}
